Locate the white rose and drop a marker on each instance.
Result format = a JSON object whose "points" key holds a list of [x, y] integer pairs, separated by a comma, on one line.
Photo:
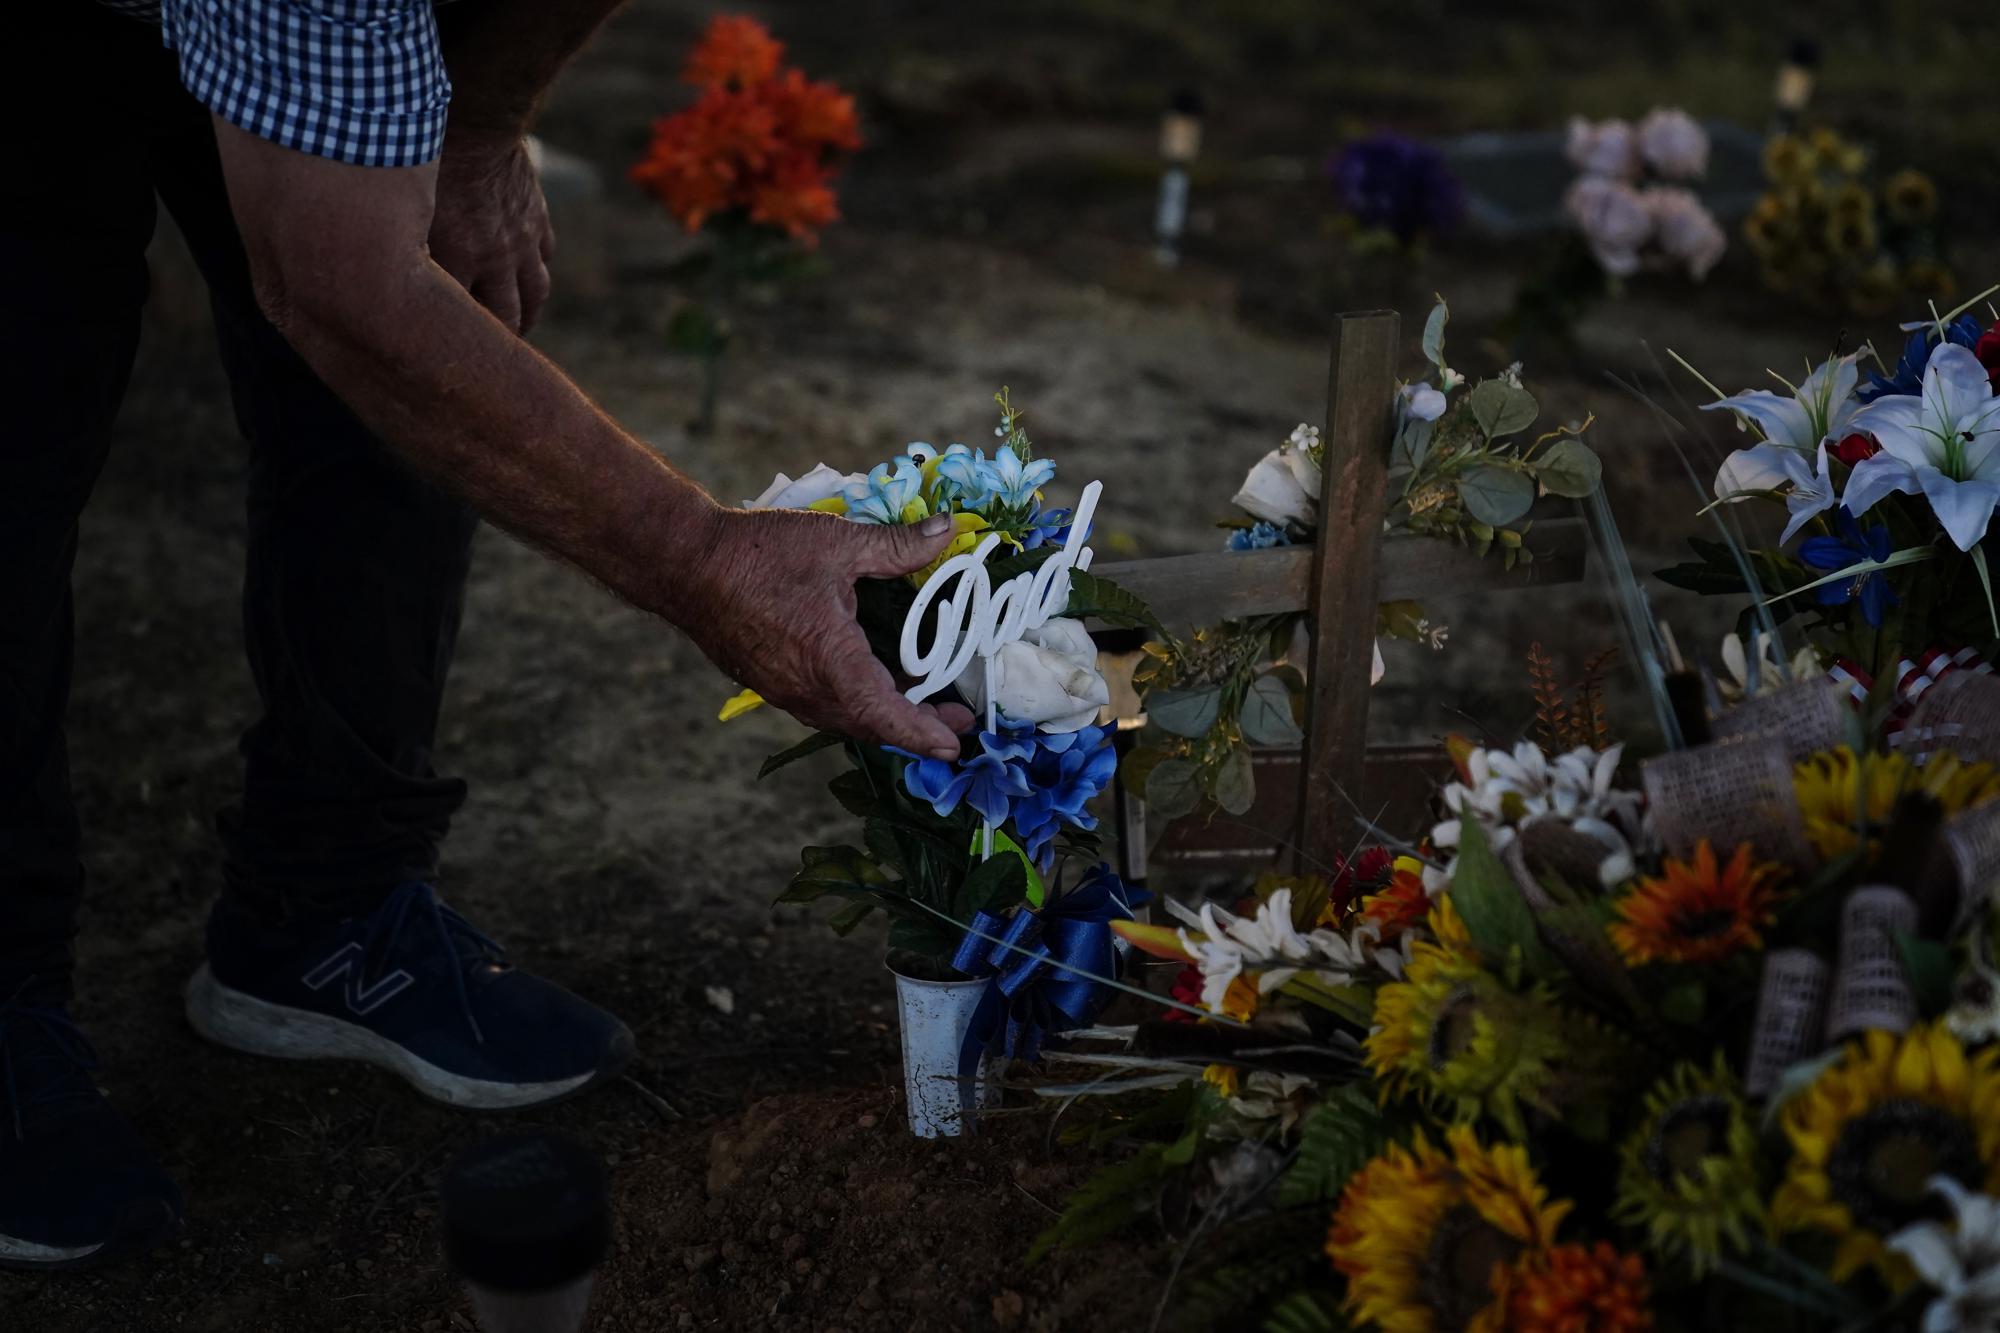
{"points": [[1687, 230], [822, 483], [1048, 677], [1614, 221], [1274, 491], [1674, 144], [1606, 148]]}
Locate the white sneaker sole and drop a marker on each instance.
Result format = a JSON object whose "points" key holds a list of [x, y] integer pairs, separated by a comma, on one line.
{"points": [[257, 1027], [27, 1253]]}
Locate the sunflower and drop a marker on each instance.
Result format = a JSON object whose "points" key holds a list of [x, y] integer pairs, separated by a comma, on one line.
{"points": [[1450, 1034], [1580, 1289], [1697, 911], [1426, 1238], [1930, 279], [1851, 235], [1688, 1174], [1787, 159], [1871, 1132], [1840, 794], [1911, 197]]}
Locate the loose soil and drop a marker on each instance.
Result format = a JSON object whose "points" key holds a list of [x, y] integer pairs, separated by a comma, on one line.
{"points": [[616, 839]]}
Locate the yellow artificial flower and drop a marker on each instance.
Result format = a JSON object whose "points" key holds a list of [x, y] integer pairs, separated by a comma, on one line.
{"points": [[1451, 1035], [1870, 1133], [1240, 1000], [1225, 1079], [1688, 1175], [1786, 159], [1840, 794], [1930, 279], [1911, 197], [1427, 1239], [738, 704], [967, 530]]}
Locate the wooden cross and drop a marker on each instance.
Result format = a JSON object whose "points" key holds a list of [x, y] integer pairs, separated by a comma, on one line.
{"points": [[1340, 581]]}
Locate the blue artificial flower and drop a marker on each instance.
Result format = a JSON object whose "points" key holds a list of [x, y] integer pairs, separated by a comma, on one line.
{"points": [[887, 494], [1258, 536], [961, 477], [990, 782], [1047, 527], [1397, 184], [1851, 546], [1909, 377], [1014, 482]]}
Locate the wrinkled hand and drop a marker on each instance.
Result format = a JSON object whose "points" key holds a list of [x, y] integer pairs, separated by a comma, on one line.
{"points": [[491, 229], [781, 621]]}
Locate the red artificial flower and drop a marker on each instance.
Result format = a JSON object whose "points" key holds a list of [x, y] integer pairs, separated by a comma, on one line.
{"points": [[1855, 448], [1987, 349], [735, 50], [1186, 989], [1364, 873]]}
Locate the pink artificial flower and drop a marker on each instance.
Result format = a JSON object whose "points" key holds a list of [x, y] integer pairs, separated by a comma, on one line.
{"points": [[1614, 220], [1604, 148], [1686, 229], [1674, 144]]}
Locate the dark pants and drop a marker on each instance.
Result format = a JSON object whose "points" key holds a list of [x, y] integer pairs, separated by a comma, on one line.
{"points": [[356, 567]]}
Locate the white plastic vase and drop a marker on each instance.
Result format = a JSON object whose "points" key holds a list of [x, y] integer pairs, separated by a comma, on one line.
{"points": [[935, 1016], [558, 1311]]}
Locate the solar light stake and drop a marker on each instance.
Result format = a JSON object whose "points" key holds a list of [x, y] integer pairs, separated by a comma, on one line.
{"points": [[527, 1221], [1180, 144], [1794, 89]]}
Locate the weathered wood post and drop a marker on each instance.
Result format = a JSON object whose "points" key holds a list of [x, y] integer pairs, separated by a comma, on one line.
{"points": [[1341, 606]]}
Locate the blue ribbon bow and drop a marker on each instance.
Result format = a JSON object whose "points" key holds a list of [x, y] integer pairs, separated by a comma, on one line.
{"points": [[1042, 967]]}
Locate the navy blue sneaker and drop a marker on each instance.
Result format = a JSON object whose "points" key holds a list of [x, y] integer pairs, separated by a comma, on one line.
{"points": [[77, 1187], [412, 987]]}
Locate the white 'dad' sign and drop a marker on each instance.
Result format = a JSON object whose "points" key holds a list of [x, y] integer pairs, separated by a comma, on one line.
{"points": [[974, 620]]}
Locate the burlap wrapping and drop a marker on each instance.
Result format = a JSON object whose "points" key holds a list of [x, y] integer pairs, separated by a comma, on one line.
{"points": [[1973, 841], [1788, 1026], [1960, 713], [1870, 990], [1805, 717], [1588, 953], [1729, 792]]}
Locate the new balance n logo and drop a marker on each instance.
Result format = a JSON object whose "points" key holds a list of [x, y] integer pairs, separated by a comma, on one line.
{"points": [[345, 964]]}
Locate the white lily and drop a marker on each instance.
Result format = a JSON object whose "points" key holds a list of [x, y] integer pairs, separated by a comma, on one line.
{"points": [[1822, 409], [1961, 1263], [1770, 675], [815, 487], [1942, 443]]}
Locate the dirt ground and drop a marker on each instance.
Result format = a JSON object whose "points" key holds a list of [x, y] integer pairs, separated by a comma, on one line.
{"points": [[615, 838]]}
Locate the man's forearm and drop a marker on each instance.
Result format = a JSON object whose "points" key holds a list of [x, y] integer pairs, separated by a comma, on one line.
{"points": [[502, 55], [481, 411]]}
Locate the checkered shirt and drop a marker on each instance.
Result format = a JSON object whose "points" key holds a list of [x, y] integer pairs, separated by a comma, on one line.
{"points": [[359, 81]]}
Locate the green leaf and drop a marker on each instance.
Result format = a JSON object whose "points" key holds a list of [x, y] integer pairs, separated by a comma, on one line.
{"points": [[1685, 1004], [1928, 966], [1173, 788], [1235, 781], [1909, 555], [1337, 1138], [1496, 916], [1267, 714], [1986, 584], [994, 885], [827, 870], [1434, 334], [1496, 495], [924, 935], [813, 744], [1185, 712], [1022, 562], [1306, 1311], [1117, 1197], [1413, 443], [855, 791], [847, 918], [1501, 408], [1569, 468], [1093, 598]]}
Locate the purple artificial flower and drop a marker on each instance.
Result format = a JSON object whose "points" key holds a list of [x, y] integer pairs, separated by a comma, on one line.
{"points": [[1852, 546], [990, 782], [1397, 184]]}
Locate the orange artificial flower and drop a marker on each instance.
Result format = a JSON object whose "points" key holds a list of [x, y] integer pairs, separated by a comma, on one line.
{"points": [[813, 114], [795, 197], [1402, 903], [1698, 911], [1578, 1289], [735, 50]]}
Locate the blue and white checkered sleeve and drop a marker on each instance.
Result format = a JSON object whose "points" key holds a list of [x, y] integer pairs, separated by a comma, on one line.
{"points": [[360, 81]]}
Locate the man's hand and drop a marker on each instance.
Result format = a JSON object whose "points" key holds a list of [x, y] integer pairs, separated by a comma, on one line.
{"points": [[782, 621], [491, 228]]}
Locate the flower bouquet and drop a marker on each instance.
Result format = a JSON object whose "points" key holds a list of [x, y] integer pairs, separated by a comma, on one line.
{"points": [[1829, 234], [1631, 209], [753, 161], [1714, 1050], [1888, 484], [1462, 469], [988, 864]]}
